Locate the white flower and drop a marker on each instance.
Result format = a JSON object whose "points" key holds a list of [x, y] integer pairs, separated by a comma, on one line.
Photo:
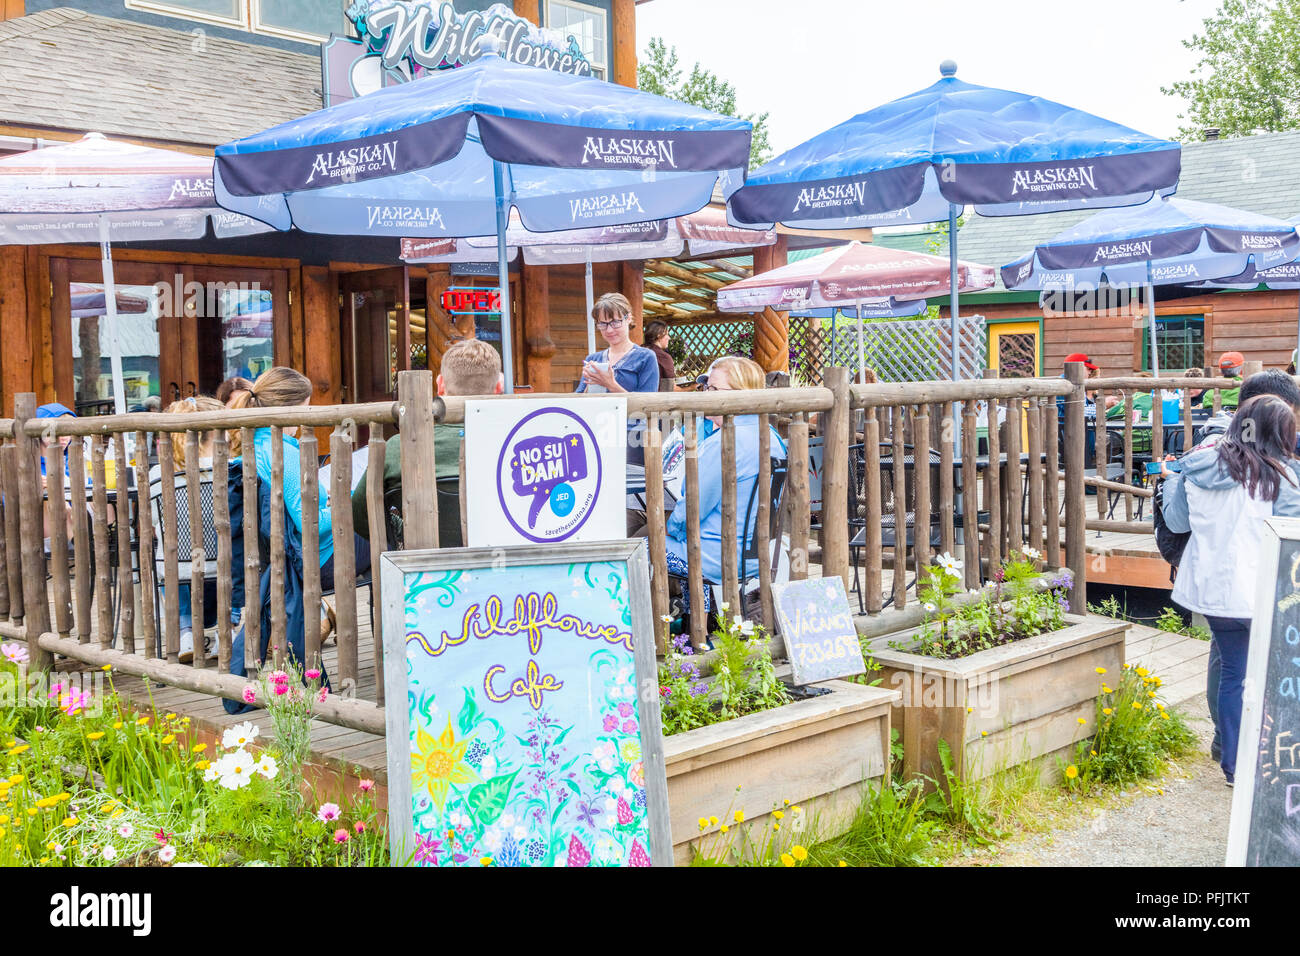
{"points": [[972, 590], [948, 563], [611, 805], [747, 628], [488, 768], [666, 618], [239, 736], [623, 676], [1031, 553], [507, 820], [520, 833], [167, 853], [235, 769], [212, 773], [125, 830], [930, 608], [607, 764], [492, 839], [109, 852], [266, 766], [607, 850], [724, 606]]}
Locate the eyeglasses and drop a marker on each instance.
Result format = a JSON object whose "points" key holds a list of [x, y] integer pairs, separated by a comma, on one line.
{"points": [[716, 388], [610, 323]]}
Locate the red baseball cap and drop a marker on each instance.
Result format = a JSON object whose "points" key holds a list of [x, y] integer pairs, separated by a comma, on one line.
{"points": [[1081, 357], [1231, 360]]}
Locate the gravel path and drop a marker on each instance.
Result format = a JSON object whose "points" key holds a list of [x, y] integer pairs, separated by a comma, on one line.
{"points": [[1180, 820]]}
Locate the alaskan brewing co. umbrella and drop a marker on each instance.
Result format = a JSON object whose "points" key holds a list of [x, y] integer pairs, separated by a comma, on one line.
{"points": [[1163, 242], [105, 191], [702, 233], [923, 157], [449, 154], [1278, 278], [848, 275]]}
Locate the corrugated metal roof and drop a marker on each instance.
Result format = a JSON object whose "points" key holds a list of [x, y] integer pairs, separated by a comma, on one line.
{"points": [[68, 69]]}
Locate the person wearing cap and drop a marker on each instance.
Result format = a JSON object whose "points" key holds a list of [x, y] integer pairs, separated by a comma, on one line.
{"points": [[1230, 365]]}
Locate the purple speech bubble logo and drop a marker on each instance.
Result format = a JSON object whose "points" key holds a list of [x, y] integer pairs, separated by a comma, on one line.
{"points": [[538, 464]]}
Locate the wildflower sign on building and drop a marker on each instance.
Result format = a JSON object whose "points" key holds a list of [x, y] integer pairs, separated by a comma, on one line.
{"points": [[517, 736], [817, 627]]}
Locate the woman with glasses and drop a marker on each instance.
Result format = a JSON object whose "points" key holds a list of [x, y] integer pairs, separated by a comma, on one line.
{"points": [[725, 375], [623, 366]]}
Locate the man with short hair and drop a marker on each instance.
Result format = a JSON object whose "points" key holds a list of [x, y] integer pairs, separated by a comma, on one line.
{"points": [[469, 367]]}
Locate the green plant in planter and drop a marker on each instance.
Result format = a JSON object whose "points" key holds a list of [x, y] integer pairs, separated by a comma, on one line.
{"points": [[743, 681], [1013, 609]]}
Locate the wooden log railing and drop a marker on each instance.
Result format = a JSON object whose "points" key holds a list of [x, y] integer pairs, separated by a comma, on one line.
{"points": [[920, 438], [972, 503]]}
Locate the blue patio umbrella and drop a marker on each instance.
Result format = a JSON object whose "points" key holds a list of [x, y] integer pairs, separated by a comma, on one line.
{"points": [[923, 157], [450, 154], [1278, 278], [1163, 242]]}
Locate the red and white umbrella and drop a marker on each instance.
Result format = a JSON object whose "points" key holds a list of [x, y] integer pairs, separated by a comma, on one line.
{"points": [[102, 190], [849, 276], [702, 233]]}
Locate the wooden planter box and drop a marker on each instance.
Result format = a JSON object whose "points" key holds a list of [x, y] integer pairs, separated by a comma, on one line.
{"points": [[816, 753], [1003, 706]]}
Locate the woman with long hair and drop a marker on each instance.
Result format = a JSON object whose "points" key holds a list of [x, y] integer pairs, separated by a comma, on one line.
{"points": [[1221, 496]]}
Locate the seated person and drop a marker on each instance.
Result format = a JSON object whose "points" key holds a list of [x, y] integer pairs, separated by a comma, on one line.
{"points": [[1230, 366], [1141, 401], [469, 367], [197, 403], [622, 367], [726, 374]]}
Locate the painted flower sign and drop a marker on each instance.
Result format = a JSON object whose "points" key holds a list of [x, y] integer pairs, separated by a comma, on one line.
{"points": [[521, 739]]}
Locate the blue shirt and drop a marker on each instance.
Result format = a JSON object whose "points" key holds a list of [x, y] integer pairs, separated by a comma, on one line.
{"points": [[710, 471], [637, 371], [293, 488]]}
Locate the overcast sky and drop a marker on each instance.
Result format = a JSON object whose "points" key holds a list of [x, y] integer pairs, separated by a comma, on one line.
{"points": [[815, 63]]}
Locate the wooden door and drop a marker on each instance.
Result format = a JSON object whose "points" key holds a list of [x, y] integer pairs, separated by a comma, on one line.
{"points": [[375, 327]]}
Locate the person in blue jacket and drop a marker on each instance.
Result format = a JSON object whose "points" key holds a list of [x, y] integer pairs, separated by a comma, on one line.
{"points": [[623, 366], [726, 374]]}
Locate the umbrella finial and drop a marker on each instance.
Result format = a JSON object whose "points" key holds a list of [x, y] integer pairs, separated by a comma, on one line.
{"points": [[948, 68]]}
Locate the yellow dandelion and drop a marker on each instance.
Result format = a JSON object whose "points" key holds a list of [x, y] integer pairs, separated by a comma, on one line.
{"points": [[15, 751], [1107, 711], [1151, 693], [198, 748], [842, 863], [201, 764], [1142, 672], [485, 861], [69, 821], [1164, 714], [32, 811], [1072, 771], [1136, 705], [724, 828], [713, 821], [4, 818], [95, 735], [984, 733], [778, 814], [799, 852], [970, 710], [1083, 720], [1093, 752], [1105, 689], [1101, 670], [703, 821], [776, 826], [64, 796], [142, 721], [796, 810], [169, 717], [117, 725], [785, 802], [46, 802], [168, 739], [787, 859], [106, 668], [15, 779], [739, 816]]}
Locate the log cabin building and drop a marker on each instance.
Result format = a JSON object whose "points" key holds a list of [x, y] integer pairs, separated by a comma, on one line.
{"points": [[190, 75]]}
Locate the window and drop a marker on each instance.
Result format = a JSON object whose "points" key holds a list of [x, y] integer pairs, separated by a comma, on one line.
{"points": [[587, 25], [310, 21], [1180, 339]]}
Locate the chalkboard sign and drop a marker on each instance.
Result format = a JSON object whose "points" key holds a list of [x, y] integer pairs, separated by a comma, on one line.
{"points": [[516, 733], [817, 626], [1265, 827]]}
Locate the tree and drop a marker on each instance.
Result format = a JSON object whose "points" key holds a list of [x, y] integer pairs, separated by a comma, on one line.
{"points": [[658, 72], [1248, 75]]}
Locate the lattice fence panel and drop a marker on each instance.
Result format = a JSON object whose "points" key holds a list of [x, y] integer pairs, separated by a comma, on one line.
{"points": [[694, 347], [903, 350]]}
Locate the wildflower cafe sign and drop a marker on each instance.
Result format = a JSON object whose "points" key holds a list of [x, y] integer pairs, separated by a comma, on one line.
{"points": [[516, 733], [1264, 829], [817, 627], [548, 472]]}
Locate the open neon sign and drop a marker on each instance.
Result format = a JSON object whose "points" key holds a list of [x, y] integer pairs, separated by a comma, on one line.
{"points": [[467, 300]]}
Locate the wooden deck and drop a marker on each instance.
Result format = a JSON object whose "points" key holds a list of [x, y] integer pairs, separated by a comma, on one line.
{"points": [[1179, 661]]}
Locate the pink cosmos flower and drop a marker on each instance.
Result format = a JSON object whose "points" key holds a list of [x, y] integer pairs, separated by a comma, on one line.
{"points": [[281, 689], [340, 835], [74, 702], [14, 653], [55, 690], [629, 726], [312, 673], [359, 827], [162, 836], [328, 812], [250, 694], [365, 786]]}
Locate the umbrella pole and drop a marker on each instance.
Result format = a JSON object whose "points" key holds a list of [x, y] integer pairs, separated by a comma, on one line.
{"points": [[503, 274], [591, 300], [110, 312], [834, 315], [862, 352], [952, 288]]}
